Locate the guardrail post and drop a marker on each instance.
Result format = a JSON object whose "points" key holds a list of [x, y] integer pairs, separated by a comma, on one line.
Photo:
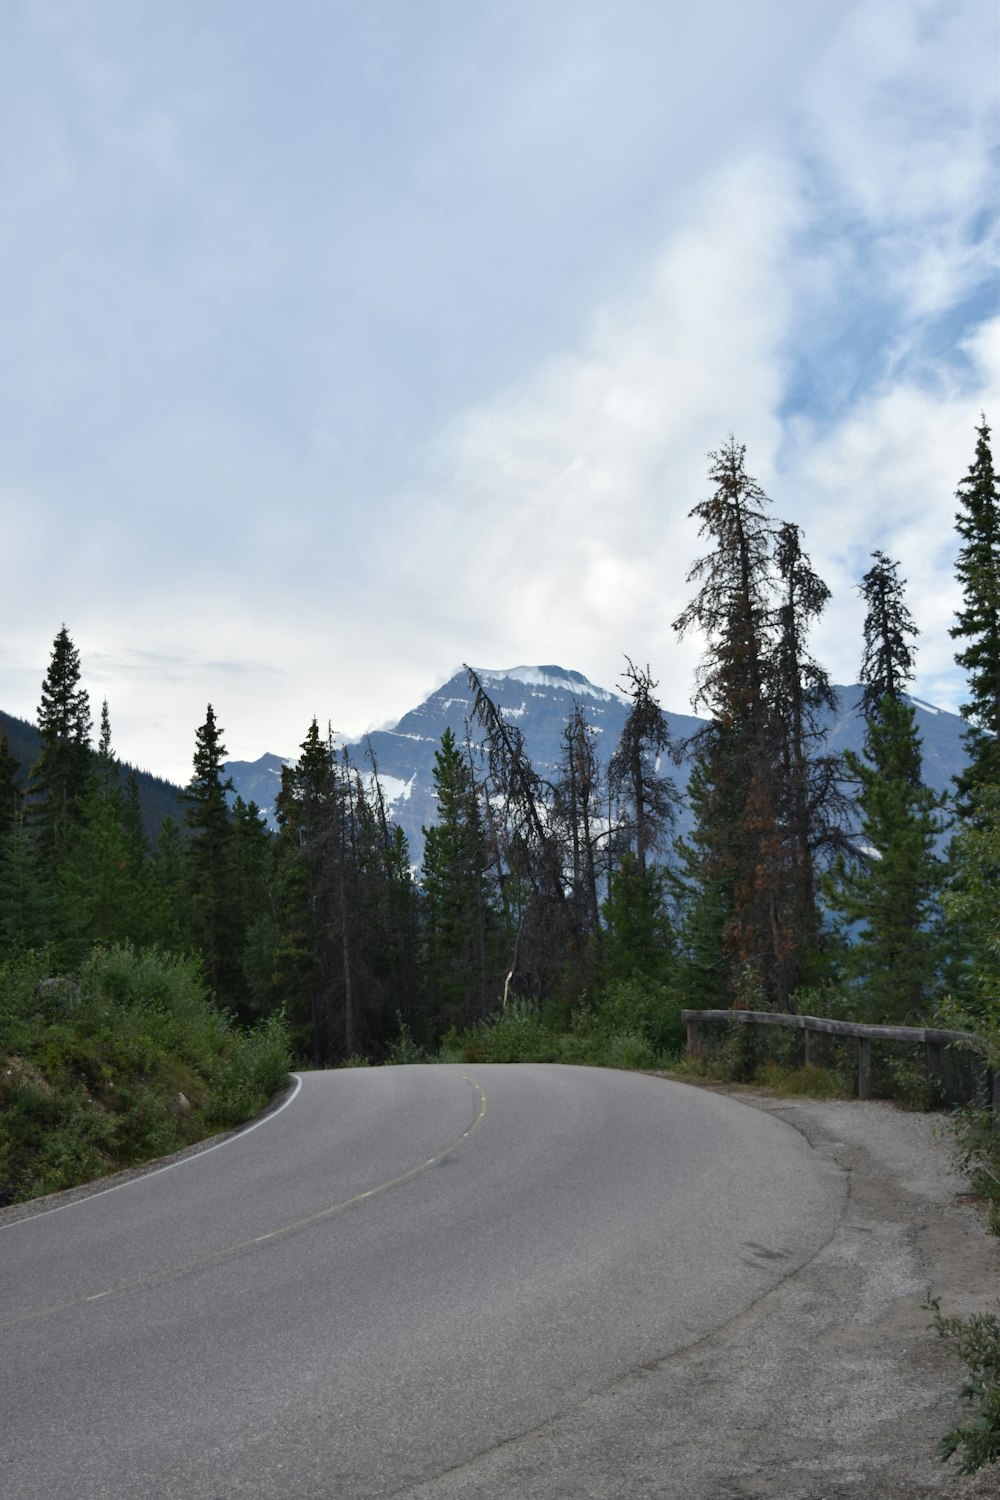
{"points": [[693, 1046], [864, 1067], [807, 1047], [934, 1069]]}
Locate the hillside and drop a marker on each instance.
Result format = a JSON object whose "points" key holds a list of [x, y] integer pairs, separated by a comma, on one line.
{"points": [[158, 799]]}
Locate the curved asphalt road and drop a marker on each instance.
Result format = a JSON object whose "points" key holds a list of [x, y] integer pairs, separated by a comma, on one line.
{"points": [[401, 1269]]}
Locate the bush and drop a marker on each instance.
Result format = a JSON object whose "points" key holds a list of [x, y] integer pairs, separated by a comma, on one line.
{"points": [[404, 1049], [976, 1341], [638, 1007], [121, 1062], [514, 1034]]}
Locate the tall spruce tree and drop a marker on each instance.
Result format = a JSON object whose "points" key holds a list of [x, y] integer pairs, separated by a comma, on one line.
{"points": [[888, 894], [100, 889], [459, 921], [577, 808], [213, 913], [295, 962], [812, 808], [736, 851], [251, 857], [978, 621], [61, 773], [887, 662]]}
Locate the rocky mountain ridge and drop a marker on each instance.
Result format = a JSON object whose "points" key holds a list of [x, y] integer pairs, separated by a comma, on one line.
{"points": [[539, 699]]}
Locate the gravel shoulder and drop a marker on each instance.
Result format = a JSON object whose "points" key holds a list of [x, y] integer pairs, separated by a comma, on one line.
{"points": [[831, 1385]]}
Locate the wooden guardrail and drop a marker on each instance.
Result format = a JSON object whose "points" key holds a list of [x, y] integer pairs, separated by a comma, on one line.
{"points": [[934, 1041]]}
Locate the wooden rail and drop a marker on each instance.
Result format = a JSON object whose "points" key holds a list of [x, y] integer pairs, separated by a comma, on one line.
{"points": [[933, 1040]]}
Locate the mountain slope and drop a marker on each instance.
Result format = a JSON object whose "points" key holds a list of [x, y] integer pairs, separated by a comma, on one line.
{"points": [[539, 699], [158, 799]]}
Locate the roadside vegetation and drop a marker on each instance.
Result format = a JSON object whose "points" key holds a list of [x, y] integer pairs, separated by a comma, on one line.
{"points": [[122, 1060]]}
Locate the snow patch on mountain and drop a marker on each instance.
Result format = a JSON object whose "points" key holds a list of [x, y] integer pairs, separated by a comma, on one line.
{"points": [[394, 789], [549, 677]]}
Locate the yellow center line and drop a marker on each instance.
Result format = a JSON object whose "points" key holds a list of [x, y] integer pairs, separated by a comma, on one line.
{"points": [[213, 1256]]}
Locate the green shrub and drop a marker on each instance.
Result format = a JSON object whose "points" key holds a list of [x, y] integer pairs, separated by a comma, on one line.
{"points": [[976, 1341], [628, 1049], [514, 1034], [404, 1049], [93, 1064], [634, 1006]]}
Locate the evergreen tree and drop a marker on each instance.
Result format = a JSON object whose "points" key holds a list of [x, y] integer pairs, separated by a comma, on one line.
{"points": [[972, 908], [888, 892], [577, 800], [166, 875], [212, 908], [547, 945], [251, 858], [26, 907], [647, 797], [388, 948], [60, 775], [637, 941], [887, 664], [736, 853], [459, 924], [811, 807], [978, 620], [102, 889], [11, 796]]}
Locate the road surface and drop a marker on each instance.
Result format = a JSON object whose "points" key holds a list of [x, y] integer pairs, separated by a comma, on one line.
{"points": [[401, 1270]]}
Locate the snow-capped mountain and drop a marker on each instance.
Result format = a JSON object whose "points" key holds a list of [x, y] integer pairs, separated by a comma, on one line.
{"points": [[539, 700]]}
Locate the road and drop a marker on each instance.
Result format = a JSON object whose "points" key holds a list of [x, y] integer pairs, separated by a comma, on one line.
{"points": [[400, 1271]]}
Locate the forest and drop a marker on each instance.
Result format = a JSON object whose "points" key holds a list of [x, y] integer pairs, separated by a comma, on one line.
{"points": [[558, 919]]}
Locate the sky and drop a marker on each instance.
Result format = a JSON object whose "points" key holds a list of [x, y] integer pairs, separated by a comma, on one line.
{"points": [[349, 340]]}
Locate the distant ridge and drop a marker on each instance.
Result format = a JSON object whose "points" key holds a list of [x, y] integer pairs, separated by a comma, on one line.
{"points": [[539, 699]]}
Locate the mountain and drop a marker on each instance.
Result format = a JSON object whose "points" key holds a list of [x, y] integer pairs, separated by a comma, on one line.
{"points": [[539, 700]]}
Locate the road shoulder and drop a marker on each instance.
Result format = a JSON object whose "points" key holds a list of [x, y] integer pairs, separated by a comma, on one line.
{"points": [[831, 1385]]}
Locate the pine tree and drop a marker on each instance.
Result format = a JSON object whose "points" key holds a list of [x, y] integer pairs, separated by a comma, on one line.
{"points": [[736, 851], [458, 922], [314, 967], [547, 944], [978, 621], [577, 805], [11, 796], [60, 775], [888, 893], [887, 663], [103, 893], [27, 913], [213, 913], [971, 905], [812, 809], [647, 796], [251, 860], [167, 906]]}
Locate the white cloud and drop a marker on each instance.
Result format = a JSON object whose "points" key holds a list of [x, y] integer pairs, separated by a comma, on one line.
{"points": [[238, 309]]}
